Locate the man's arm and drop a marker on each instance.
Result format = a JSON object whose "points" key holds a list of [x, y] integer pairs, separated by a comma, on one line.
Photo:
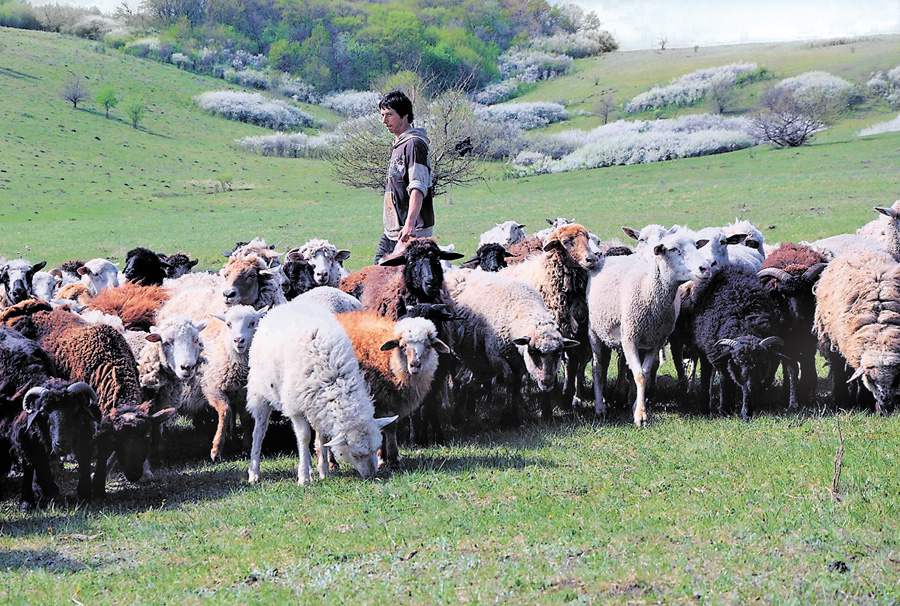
{"points": [[415, 206]]}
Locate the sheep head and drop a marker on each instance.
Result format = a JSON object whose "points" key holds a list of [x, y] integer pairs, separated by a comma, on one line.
{"points": [[422, 269], [179, 339], [415, 348], [542, 354], [243, 278], [129, 428], [573, 244], [16, 277], [65, 411]]}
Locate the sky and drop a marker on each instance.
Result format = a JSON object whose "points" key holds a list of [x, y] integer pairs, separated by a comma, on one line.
{"points": [[640, 24]]}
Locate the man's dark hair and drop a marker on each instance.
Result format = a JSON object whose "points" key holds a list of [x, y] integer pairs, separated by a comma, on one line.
{"points": [[399, 102]]}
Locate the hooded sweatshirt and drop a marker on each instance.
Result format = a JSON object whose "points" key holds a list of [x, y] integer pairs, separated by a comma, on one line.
{"points": [[409, 169]]}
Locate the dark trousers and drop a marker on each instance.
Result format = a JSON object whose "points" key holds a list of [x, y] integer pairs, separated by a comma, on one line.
{"points": [[385, 247]]}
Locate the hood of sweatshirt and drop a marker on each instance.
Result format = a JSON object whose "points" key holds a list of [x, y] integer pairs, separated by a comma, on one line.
{"points": [[413, 132]]}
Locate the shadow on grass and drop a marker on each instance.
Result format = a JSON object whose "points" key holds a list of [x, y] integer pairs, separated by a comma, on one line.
{"points": [[39, 559], [12, 73], [102, 114]]}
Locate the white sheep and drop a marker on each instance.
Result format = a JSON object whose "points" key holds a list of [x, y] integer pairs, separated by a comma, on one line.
{"points": [[98, 274], [302, 364], [326, 259], [631, 305], [221, 380], [751, 251], [877, 229], [504, 330], [648, 237], [554, 225], [45, 285], [333, 299], [888, 239], [505, 234]]}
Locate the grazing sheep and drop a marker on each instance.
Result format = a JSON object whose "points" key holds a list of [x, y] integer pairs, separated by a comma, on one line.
{"points": [[326, 259], [736, 329], [505, 234], [145, 267], [98, 355], [489, 257], [560, 275], [136, 305], [60, 417], [791, 272], [302, 364], [505, 331], [632, 306], [858, 322], [398, 360], [16, 278], [221, 381], [98, 274]]}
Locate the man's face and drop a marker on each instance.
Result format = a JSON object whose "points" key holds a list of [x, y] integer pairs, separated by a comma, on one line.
{"points": [[393, 122]]}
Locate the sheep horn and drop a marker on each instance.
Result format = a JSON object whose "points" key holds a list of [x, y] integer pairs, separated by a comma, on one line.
{"points": [[770, 342], [730, 343], [857, 374], [774, 272], [82, 388], [812, 274], [33, 394]]}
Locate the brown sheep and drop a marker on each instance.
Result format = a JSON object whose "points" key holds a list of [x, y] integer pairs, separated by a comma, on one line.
{"points": [[136, 305]]}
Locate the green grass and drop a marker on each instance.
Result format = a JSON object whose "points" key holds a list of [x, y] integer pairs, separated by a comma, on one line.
{"points": [[687, 510]]}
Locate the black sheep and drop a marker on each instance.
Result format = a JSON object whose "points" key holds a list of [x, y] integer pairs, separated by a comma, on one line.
{"points": [[41, 416], [145, 267], [179, 265], [298, 275], [489, 257], [735, 329]]}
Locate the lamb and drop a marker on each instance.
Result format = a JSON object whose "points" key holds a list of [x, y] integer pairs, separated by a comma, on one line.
{"points": [[145, 267], [790, 273], [298, 276], [327, 261], [398, 360], [504, 330], [555, 224], [179, 265], [632, 305], [736, 328], [98, 355], [42, 417], [45, 285], [505, 234], [221, 381], [560, 275], [167, 357], [16, 278], [857, 323], [302, 364], [752, 248], [489, 257]]}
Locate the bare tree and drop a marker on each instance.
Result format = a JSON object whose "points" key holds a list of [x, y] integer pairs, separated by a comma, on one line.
{"points": [[75, 90], [604, 106], [456, 142], [167, 12], [786, 122], [662, 43], [722, 94]]}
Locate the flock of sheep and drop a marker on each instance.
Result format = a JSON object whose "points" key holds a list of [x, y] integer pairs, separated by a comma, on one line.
{"points": [[94, 361]]}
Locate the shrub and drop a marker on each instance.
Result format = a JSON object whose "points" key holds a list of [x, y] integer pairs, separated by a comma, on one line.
{"points": [[499, 92], [142, 47], [524, 115], [638, 142], [579, 44], [107, 98], [18, 15], [294, 145], [75, 91], [893, 76], [250, 78], [534, 66], [181, 60], [353, 103], [688, 89], [296, 89], [92, 27], [891, 126], [817, 92], [253, 108]]}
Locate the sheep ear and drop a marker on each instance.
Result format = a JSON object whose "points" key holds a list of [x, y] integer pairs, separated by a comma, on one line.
{"points": [[568, 343], [394, 261], [450, 256], [153, 337], [522, 341], [265, 272], [338, 441], [260, 313], [218, 317], [887, 212], [521, 226], [84, 269], [659, 249], [553, 243], [56, 273], [193, 262], [389, 345], [37, 267], [631, 232], [201, 325], [859, 372], [384, 422], [342, 255], [702, 243], [441, 347], [549, 221]]}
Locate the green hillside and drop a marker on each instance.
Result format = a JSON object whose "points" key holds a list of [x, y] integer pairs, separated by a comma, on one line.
{"points": [[77, 185]]}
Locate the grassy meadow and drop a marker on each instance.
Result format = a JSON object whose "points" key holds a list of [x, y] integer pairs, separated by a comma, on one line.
{"points": [[688, 510]]}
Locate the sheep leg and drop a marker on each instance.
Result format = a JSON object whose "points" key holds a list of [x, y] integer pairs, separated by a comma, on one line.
{"points": [[706, 374], [839, 375], [790, 382], [27, 497], [726, 395], [322, 455], [83, 457], [104, 452], [640, 369], [806, 386], [303, 432], [391, 451], [44, 477], [602, 355], [261, 414], [225, 419]]}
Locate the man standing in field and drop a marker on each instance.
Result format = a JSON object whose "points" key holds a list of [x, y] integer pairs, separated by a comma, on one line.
{"points": [[408, 195]]}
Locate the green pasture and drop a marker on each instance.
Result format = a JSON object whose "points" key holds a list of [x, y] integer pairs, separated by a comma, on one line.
{"points": [[688, 510]]}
